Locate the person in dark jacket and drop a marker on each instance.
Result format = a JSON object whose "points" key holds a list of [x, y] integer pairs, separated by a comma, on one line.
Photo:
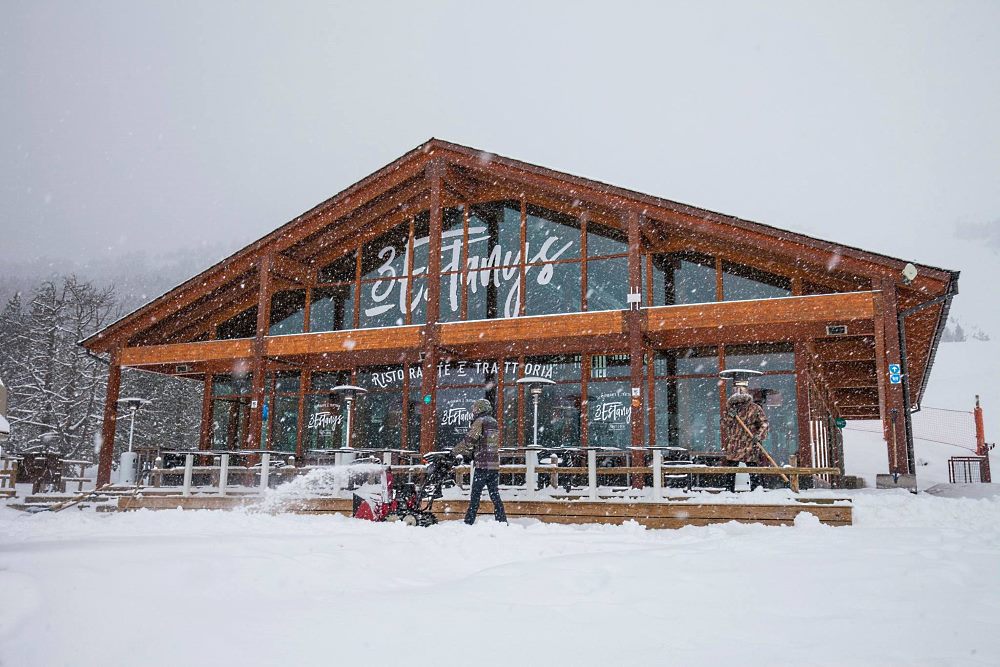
{"points": [[743, 445], [483, 442]]}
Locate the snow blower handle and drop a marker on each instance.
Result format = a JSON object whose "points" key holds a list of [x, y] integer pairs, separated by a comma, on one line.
{"points": [[757, 442]]}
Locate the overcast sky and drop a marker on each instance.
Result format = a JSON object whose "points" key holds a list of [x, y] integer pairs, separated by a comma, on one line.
{"points": [[163, 126]]}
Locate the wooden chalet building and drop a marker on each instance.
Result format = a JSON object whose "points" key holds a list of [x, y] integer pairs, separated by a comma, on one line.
{"points": [[450, 273]]}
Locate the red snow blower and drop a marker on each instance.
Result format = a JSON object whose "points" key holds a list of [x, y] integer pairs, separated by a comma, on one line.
{"points": [[406, 503]]}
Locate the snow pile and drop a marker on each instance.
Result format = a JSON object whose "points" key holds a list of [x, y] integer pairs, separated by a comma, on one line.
{"points": [[913, 582], [326, 481]]}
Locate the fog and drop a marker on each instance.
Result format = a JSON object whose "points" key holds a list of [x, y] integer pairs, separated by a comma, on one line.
{"points": [[195, 128]]}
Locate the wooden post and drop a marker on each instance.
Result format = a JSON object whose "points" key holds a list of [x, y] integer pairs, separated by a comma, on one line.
{"points": [[635, 347], [107, 452], [802, 407], [205, 435], [892, 407], [982, 449], [305, 378], [256, 424], [430, 334]]}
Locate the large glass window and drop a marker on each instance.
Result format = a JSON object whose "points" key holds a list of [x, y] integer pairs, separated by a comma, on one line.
{"points": [[551, 236], [378, 415], [559, 405], [603, 241], [385, 271], [230, 411], [332, 308], [687, 399], [741, 283], [281, 427], [554, 273], [553, 288], [774, 391], [761, 357], [681, 278], [342, 270], [607, 283], [243, 325], [609, 401], [460, 383], [325, 412], [453, 258], [288, 309], [383, 303]]}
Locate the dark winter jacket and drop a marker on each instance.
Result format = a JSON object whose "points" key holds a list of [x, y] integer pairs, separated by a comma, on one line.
{"points": [[483, 439], [736, 442]]}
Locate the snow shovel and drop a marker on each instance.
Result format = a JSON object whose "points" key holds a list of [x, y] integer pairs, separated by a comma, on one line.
{"points": [[757, 442]]}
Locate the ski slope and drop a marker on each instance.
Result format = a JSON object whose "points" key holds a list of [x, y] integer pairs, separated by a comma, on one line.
{"points": [[960, 372]]}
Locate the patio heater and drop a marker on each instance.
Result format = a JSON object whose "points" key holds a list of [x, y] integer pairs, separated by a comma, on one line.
{"points": [[128, 468], [349, 392], [534, 386]]}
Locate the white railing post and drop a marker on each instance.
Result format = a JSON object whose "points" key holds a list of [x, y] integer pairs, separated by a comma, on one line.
{"points": [[265, 470], [530, 475], [387, 458], [223, 474], [188, 469], [657, 474], [592, 473]]}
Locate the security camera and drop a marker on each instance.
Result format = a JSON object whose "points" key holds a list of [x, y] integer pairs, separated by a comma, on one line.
{"points": [[909, 273]]}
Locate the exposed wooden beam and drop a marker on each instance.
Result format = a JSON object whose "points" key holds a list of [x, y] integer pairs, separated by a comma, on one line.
{"points": [[286, 267], [801, 309], [213, 308], [181, 353], [351, 225]]}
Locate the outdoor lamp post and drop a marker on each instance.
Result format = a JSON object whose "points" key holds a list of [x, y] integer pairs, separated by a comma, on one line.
{"points": [[127, 468], [534, 386], [349, 391]]}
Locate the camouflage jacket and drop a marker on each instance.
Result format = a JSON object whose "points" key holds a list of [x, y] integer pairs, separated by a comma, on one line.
{"points": [[483, 439], [736, 443]]}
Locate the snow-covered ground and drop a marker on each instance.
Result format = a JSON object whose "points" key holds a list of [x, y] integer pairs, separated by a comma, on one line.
{"points": [[914, 582]]}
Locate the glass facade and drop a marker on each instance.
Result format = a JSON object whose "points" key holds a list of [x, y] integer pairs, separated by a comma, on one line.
{"points": [[681, 278], [740, 283], [378, 415], [325, 413], [559, 405], [687, 400], [490, 253], [230, 411], [281, 426], [609, 401], [508, 259], [579, 409], [775, 391]]}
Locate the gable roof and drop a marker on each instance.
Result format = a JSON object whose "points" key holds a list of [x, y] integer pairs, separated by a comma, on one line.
{"points": [[411, 164]]}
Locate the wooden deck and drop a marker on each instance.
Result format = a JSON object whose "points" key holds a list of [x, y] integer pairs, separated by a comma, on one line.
{"points": [[670, 514]]}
